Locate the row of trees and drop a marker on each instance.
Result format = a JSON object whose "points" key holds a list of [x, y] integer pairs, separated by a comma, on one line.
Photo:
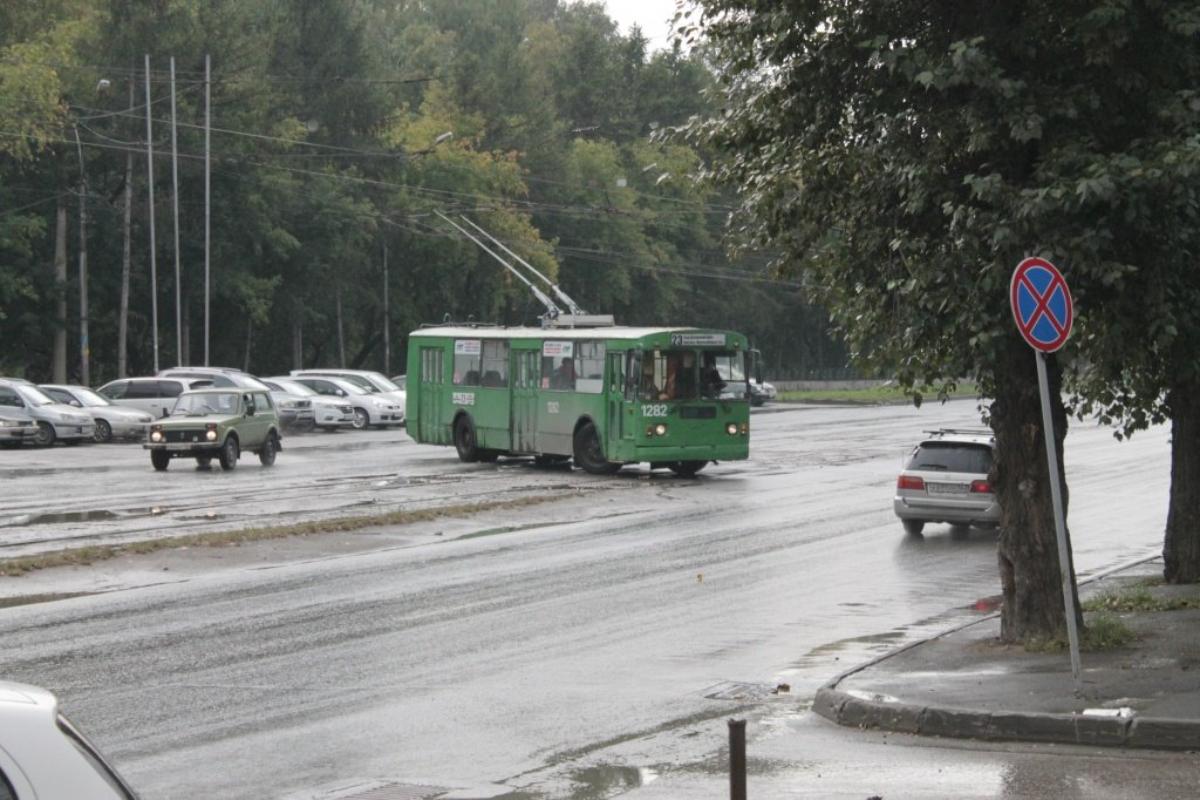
{"points": [[339, 129], [903, 157]]}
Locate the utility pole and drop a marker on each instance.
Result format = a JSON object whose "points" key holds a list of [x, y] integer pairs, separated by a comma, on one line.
{"points": [[387, 343], [175, 202], [84, 371], [150, 186], [207, 190], [126, 259]]}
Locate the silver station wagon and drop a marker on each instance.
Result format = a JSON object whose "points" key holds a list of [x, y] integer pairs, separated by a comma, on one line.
{"points": [[946, 480]]}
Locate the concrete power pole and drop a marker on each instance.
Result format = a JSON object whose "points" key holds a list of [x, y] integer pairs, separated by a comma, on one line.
{"points": [[183, 359], [150, 187], [84, 348]]}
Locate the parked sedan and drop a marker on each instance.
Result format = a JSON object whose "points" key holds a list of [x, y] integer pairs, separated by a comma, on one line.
{"points": [[328, 413], [112, 421], [369, 409], [16, 427], [44, 756], [54, 420]]}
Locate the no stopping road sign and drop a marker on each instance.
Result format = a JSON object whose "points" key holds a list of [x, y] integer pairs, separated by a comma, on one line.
{"points": [[1041, 304]]}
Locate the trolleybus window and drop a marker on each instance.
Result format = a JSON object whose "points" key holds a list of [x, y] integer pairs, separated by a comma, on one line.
{"points": [[589, 367], [669, 375], [558, 365], [495, 363], [467, 357]]}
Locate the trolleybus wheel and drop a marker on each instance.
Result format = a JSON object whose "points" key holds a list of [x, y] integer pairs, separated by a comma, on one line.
{"points": [[687, 469], [589, 455], [464, 439]]}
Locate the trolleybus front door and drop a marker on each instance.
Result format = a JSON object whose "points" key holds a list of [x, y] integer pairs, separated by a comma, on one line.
{"points": [[526, 369]]}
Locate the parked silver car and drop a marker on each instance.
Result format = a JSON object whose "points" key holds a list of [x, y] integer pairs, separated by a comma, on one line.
{"points": [[16, 427], [112, 421], [369, 408], [156, 396], [373, 382], [44, 756], [328, 413], [55, 421], [945, 479]]}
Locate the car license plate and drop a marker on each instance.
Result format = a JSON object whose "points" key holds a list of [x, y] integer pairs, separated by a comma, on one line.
{"points": [[946, 488]]}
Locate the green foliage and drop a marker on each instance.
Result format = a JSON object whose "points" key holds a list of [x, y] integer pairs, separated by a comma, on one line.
{"points": [[339, 129], [904, 157]]}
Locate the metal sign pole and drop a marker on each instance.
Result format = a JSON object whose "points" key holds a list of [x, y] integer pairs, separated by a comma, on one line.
{"points": [[1060, 525]]}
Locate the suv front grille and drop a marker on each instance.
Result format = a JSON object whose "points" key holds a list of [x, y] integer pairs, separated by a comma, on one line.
{"points": [[196, 435]]}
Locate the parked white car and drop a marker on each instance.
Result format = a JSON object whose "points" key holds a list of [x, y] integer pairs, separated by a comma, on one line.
{"points": [[369, 409], [44, 757], [16, 427], [373, 382], [328, 413], [156, 396], [55, 421], [111, 420]]}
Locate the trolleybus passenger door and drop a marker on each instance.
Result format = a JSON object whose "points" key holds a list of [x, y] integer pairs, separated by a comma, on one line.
{"points": [[615, 394], [429, 397], [526, 369]]}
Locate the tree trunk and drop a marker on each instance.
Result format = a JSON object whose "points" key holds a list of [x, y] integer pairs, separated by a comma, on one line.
{"points": [[1028, 551], [297, 341], [59, 364], [126, 262], [1181, 545], [341, 337], [249, 343]]}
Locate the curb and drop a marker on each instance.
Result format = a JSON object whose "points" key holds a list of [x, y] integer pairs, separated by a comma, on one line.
{"points": [[852, 709], [867, 710]]}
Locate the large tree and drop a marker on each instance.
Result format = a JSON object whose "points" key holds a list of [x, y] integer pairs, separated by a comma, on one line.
{"points": [[905, 156]]}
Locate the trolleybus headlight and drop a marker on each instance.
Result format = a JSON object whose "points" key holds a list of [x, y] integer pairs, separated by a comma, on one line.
{"points": [[731, 429], [660, 429]]}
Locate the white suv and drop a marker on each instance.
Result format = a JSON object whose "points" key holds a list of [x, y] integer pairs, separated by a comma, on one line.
{"points": [[945, 479]]}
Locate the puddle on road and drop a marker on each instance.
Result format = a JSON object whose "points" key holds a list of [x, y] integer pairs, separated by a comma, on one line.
{"points": [[31, 599], [597, 783], [91, 515], [38, 472]]}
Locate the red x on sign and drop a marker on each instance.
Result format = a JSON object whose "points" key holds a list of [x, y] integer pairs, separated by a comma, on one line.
{"points": [[1041, 304]]}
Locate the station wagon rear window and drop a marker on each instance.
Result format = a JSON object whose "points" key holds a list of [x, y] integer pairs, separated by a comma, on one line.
{"points": [[951, 457]]}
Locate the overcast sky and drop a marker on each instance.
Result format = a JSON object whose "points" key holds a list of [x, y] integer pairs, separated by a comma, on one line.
{"points": [[653, 15]]}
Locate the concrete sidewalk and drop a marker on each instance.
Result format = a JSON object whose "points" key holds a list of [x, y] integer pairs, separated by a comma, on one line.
{"points": [[966, 684]]}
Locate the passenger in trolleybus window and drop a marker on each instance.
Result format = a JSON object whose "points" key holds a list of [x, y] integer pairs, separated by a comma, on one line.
{"points": [[711, 383], [564, 376]]}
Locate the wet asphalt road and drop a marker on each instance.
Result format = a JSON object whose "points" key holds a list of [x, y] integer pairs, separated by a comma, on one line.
{"points": [[572, 648]]}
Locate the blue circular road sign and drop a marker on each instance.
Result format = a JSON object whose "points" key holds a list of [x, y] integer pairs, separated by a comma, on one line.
{"points": [[1041, 304]]}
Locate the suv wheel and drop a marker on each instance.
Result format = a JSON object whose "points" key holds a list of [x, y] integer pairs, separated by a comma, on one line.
{"points": [[266, 454], [913, 527], [161, 459], [228, 456]]}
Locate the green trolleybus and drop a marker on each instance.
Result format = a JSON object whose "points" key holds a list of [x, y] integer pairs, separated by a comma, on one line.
{"points": [[603, 396]]}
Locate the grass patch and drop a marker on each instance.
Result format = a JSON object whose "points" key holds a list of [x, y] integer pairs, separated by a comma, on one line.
{"points": [[875, 395], [1139, 598], [1102, 631], [83, 556]]}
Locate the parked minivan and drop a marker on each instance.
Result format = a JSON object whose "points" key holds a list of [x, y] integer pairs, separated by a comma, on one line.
{"points": [[154, 395]]}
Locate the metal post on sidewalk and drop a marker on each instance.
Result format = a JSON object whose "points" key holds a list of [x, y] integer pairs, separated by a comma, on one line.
{"points": [[737, 759]]}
